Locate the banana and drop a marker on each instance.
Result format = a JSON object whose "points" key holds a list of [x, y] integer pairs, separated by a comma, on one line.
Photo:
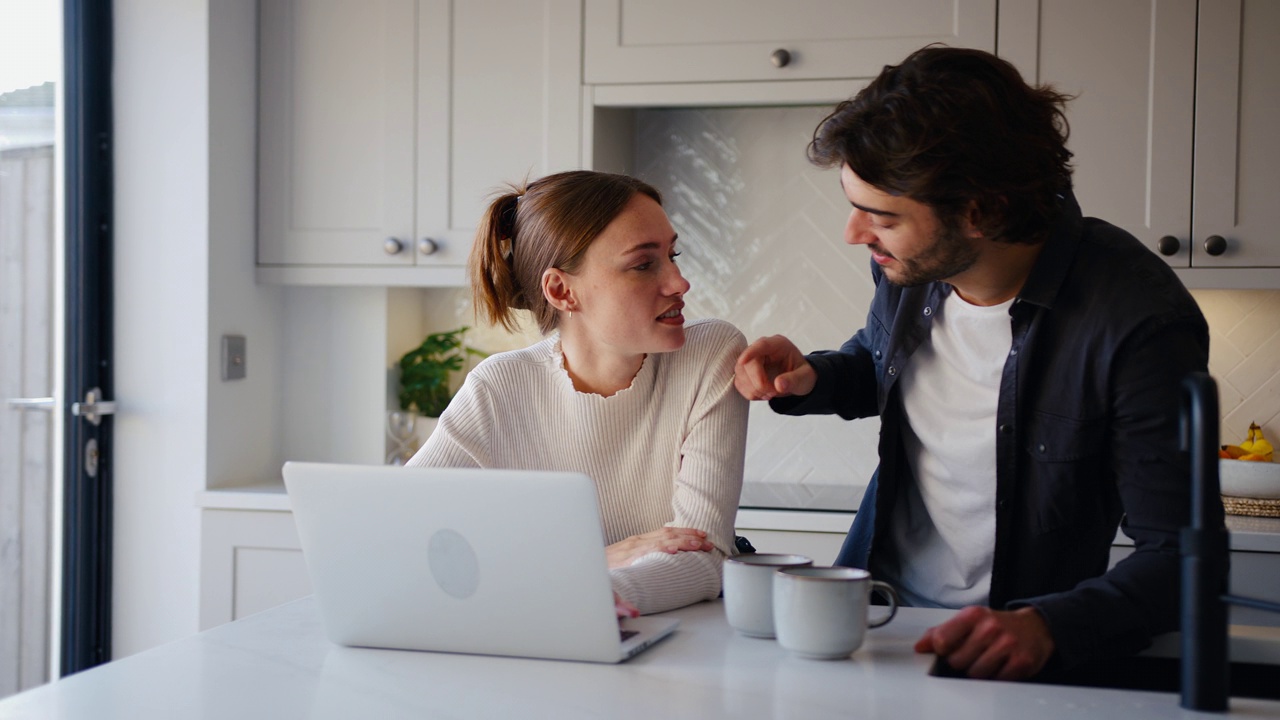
{"points": [[1256, 447], [1232, 452]]}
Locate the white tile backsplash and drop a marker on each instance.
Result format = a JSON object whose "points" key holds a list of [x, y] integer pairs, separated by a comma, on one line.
{"points": [[1244, 357], [761, 236]]}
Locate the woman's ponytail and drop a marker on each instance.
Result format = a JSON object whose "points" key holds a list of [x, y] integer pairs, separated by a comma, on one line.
{"points": [[495, 291]]}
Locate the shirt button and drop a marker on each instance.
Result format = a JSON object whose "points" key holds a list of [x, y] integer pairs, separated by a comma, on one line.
{"points": [[893, 370], [1002, 504], [928, 311], [1005, 429], [1013, 351], [1040, 447], [877, 354]]}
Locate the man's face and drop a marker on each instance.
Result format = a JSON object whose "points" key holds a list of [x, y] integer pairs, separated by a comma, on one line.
{"points": [[905, 236]]}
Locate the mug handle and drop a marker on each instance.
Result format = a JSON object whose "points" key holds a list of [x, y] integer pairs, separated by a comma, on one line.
{"points": [[891, 595]]}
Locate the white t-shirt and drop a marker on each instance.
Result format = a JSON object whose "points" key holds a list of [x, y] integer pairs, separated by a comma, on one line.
{"points": [[944, 525]]}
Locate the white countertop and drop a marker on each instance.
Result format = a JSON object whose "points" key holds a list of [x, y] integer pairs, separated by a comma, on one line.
{"points": [[278, 664]]}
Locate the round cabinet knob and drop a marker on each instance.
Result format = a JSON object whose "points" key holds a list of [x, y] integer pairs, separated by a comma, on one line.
{"points": [[780, 57], [1168, 245], [1215, 245], [427, 246], [392, 246]]}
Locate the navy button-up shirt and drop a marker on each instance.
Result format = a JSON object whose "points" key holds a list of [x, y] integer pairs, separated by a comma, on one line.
{"points": [[1087, 432]]}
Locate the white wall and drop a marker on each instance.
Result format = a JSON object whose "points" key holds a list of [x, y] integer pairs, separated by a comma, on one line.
{"points": [[161, 93], [185, 113], [244, 415]]}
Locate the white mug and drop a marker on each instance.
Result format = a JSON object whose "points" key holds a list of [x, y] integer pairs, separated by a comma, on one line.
{"points": [[821, 612], [748, 590]]}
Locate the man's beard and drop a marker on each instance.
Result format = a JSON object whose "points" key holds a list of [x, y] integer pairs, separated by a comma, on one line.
{"points": [[949, 254]]}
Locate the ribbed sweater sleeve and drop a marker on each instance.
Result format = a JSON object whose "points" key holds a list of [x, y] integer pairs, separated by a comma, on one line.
{"points": [[707, 488]]}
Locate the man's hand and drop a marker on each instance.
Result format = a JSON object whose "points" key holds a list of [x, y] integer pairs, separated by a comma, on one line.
{"points": [[670, 540], [986, 643], [773, 367]]}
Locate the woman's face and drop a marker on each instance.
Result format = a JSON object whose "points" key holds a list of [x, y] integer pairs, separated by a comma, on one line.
{"points": [[628, 295]]}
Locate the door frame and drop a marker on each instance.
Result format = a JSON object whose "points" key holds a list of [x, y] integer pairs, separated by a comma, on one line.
{"points": [[85, 630]]}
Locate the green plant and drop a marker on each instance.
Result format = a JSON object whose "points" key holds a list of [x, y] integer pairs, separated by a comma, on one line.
{"points": [[425, 371]]}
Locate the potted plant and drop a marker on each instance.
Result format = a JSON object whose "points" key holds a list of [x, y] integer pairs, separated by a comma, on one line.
{"points": [[426, 370], [425, 389]]}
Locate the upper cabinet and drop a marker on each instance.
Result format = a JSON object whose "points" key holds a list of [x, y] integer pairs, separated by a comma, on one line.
{"points": [[1237, 150], [678, 41], [1172, 121], [381, 135]]}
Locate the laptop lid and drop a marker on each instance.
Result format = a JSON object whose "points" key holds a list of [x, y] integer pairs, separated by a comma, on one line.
{"points": [[494, 562]]}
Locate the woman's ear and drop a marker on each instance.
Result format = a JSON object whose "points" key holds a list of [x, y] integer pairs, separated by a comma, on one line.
{"points": [[556, 289]]}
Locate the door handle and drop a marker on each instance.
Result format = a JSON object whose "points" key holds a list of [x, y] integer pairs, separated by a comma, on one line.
{"points": [[43, 403], [93, 407]]}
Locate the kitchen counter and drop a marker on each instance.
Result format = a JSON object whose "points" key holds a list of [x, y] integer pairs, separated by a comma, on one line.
{"points": [[278, 664]]}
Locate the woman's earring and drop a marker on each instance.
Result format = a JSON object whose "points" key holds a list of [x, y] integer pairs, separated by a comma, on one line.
{"points": [[570, 313]]}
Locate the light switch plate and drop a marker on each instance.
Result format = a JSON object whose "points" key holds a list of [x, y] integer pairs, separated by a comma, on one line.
{"points": [[233, 357]]}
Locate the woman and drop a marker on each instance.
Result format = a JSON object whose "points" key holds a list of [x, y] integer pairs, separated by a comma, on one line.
{"points": [[622, 389]]}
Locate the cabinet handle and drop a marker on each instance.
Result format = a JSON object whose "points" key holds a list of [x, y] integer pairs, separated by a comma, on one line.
{"points": [[1215, 245], [427, 246], [1168, 245], [780, 58], [392, 246]]}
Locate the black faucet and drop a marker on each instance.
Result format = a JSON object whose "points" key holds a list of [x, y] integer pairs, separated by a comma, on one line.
{"points": [[1206, 671]]}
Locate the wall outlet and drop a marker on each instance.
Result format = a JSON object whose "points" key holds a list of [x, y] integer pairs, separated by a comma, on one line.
{"points": [[233, 357]]}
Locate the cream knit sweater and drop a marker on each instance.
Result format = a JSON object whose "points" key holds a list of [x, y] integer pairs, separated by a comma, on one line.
{"points": [[666, 451]]}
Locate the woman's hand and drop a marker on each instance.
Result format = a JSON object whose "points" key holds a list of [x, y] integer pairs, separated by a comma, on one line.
{"points": [[624, 608], [670, 540]]}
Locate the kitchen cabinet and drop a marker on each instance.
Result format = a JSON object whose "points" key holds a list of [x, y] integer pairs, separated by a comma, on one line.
{"points": [[1172, 121], [251, 561], [678, 41], [384, 126]]}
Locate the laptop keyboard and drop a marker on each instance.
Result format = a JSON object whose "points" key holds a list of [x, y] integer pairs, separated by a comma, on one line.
{"points": [[628, 634]]}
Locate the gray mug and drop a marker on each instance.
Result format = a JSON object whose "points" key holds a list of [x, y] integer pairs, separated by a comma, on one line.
{"points": [[748, 590]]}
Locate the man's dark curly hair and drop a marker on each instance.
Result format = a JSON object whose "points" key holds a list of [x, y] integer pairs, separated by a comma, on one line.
{"points": [[954, 126]]}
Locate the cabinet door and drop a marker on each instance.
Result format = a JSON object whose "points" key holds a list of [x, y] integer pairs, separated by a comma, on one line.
{"points": [[336, 132], [1131, 68], [250, 561], [1237, 150], [503, 105], [636, 41]]}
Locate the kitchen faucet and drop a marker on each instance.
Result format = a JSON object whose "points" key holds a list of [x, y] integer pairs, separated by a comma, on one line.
{"points": [[1205, 560]]}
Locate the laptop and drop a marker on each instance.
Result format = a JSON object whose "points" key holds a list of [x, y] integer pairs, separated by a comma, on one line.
{"points": [[491, 562]]}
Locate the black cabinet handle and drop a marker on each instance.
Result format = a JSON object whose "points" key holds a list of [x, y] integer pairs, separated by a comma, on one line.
{"points": [[1168, 245], [1215, 245]]}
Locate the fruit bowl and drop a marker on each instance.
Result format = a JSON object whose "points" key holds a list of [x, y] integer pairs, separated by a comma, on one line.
{"points": [[1249, 478]]}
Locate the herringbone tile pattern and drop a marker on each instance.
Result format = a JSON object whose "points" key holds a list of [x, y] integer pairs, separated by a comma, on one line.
{"points": [[760, 230]]}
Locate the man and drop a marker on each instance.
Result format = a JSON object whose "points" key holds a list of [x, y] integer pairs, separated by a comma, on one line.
{"points": [[1025, 363]]}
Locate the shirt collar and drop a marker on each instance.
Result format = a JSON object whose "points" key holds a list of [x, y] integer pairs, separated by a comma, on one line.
{"points": [[1050, 269]]}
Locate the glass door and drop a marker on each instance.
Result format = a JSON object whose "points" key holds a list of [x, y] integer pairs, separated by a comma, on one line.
{"points": [[55, 199], [30, 179]]}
